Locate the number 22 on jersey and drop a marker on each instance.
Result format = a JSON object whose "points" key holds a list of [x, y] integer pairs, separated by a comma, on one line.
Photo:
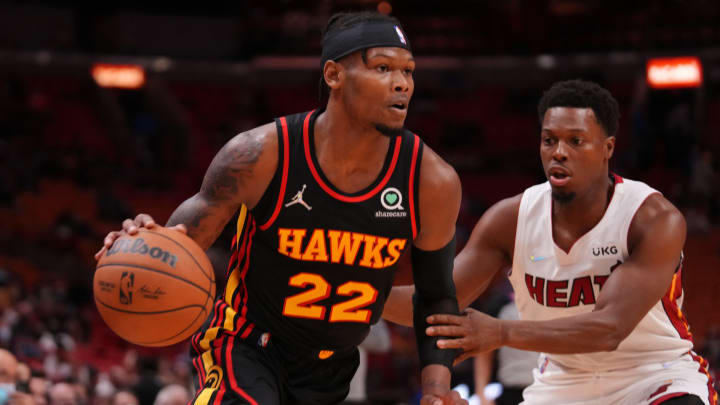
{"points": [[303, 304]]}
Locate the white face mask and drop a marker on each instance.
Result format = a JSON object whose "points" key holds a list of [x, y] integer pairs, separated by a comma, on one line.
{"points": [[6, 389]]}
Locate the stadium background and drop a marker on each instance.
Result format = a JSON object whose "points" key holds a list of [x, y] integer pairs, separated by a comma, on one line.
{"points": [[77, 157]]}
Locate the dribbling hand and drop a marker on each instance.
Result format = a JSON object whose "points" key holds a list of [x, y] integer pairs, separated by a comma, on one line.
{"points": [[451, 398], [131, 227]]}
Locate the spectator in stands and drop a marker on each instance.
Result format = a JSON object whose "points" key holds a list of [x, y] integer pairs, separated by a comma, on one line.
{"points": [[173, 394], [9, 317], [8, 381], [125, 398], [39, 387], [63, 394], [8, 371], [703, 186]]}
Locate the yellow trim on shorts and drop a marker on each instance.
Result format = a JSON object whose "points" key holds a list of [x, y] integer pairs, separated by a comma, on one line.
{"points": [[204, 397]]}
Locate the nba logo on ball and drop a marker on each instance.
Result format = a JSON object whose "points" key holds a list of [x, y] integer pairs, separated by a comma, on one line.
{"points": [[127, 281], [400, 35]]}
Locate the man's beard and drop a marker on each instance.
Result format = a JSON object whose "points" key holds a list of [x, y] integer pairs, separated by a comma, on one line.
{"points": [[389, 132], [563, 198]]}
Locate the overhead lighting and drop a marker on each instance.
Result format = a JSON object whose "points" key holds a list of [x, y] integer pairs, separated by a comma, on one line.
{"points": [[668, 73], [384, 7], [118, 76]]}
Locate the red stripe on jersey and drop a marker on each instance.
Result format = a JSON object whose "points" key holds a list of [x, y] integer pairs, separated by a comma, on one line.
{"points": [[244, 256], [283, 182], [712, 395], [244, 245], [678, 320], [231, 263], [222, 314], [669, 302], [216, 315], [411, 187], [235, 296], [220, 394], [247, 331], [331, 192], [245, 270], [231, 374], [617, 178], [200, 371], [668, 396], [195, 340]]}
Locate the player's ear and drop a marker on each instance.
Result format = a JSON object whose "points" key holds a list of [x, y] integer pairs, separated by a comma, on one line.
{"points": [[333, 73], [609, 147]]}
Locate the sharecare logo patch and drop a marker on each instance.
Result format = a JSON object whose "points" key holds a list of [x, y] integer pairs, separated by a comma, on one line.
{"points": [[391, 199]]}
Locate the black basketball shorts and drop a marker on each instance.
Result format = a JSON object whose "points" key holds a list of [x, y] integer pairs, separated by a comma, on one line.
{"points": [[261, 370]]}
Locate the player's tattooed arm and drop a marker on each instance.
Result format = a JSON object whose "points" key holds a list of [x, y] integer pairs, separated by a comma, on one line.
{"points": [[239, 174]]}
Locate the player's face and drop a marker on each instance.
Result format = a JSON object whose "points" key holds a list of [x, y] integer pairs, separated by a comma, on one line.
{"points": [[379, 90], [574, 149]]}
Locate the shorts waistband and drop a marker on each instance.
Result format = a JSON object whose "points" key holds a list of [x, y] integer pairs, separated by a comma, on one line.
{"points": [[261, 339]]}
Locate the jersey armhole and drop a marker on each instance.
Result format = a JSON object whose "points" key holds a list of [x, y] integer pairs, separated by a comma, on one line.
{"points": [[268, 208], [625, 228], [414, 185], [518, 251]]}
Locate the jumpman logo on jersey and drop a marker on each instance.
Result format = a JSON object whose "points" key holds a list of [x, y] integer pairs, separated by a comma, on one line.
{"points": [[298, 199]]}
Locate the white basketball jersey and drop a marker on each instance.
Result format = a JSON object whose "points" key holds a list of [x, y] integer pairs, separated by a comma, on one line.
{"points": [[550, 283]]}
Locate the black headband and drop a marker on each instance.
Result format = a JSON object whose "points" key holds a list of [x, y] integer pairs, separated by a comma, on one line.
{"points": [[362, 36]]}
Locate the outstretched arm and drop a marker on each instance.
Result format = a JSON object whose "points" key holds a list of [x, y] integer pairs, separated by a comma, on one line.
{"points": [[656, 238], [488, 250]]}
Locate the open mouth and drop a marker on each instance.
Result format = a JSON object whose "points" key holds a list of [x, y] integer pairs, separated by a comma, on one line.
{"points": [[558, 176], [399, 106]]}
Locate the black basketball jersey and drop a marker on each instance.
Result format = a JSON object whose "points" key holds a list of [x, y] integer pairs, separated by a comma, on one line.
{"points": [[311, 265]]}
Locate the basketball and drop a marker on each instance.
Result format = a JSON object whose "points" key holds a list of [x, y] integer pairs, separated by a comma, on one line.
{"points": [[155, 288]]}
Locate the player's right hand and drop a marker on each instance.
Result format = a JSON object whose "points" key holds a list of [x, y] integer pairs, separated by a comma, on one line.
{"points": [[131, 227], [21, 398], [450, 398]]}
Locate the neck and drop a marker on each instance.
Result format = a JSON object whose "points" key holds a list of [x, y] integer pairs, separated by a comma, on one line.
{"points": [[586, 209], [350, 152]]}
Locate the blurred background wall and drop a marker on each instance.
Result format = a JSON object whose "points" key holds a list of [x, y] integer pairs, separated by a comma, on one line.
{"points": [[78, 156]]}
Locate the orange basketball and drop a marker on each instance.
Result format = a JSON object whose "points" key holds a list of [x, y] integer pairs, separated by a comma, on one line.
{"points": [[155, 288]]}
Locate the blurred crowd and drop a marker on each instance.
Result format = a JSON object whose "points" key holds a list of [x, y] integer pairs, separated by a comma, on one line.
{"points": [[78, 159]]}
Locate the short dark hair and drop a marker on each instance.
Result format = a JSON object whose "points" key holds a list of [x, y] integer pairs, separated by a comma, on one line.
{"points": [[583, 94]]}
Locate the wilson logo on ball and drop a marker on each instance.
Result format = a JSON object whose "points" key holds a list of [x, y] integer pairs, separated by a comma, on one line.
{"points": [[139, 246]]}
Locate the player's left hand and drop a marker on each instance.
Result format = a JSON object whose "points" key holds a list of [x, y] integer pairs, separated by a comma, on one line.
{"points": [[21, 398], [473, 332], [451, 398]]}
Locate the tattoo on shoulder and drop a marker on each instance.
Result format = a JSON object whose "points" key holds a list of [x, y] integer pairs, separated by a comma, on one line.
{"points": [[232, 166]]}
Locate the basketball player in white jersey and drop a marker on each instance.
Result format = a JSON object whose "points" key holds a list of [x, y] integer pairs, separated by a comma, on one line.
{"points": [[595, 261]]}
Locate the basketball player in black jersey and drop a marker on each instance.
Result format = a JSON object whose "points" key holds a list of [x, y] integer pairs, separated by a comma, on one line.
{"points": [[326, 203]]}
